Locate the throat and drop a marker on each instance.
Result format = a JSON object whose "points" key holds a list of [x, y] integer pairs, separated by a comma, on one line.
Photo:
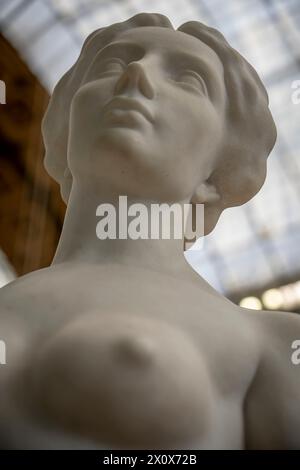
{"points": [[101, 230]]}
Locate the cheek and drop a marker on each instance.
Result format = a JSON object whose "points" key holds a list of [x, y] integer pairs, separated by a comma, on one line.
{"points": [[194, 134], [85, 114], [205, 129], [89, 100], [191, 124]]}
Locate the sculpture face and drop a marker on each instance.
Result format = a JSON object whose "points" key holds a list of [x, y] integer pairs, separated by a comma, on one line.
{"points": [[148, 117]]}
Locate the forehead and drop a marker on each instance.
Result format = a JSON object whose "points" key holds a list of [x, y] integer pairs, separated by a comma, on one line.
{"points": [[166, 41]]}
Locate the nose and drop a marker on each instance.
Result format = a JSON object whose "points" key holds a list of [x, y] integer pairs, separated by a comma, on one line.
{"points": [[133, 77]]}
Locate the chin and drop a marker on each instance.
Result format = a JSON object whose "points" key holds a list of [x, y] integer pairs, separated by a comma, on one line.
{"points": [[122, 141]]}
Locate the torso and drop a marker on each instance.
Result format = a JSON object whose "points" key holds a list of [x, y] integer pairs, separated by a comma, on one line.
{"points": [[124, 364]]}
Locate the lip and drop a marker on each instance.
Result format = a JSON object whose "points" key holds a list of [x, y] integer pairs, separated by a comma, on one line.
{"points": [[128, 104]]}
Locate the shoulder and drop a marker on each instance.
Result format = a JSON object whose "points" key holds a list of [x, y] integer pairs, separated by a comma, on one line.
{"points": [[281, 333], [20, 303], [13, 295], [279, 330], [273, 398], [274, 329], [279, 337], [26, 290]]}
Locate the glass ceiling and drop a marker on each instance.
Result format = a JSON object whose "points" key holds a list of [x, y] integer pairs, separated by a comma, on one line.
{"points": [[257, 244]]}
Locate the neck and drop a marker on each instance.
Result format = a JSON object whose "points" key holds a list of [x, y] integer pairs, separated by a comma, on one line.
{"points": [[79, 241]]}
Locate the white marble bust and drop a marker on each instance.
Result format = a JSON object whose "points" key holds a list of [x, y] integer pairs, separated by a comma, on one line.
{"points": [[119, 343]]}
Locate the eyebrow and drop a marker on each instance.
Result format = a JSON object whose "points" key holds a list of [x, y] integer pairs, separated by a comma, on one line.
{"points": [[192, 58], [126, 47]]}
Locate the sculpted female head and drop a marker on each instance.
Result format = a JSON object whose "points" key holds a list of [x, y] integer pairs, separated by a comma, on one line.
{"points": [[163, 114]]}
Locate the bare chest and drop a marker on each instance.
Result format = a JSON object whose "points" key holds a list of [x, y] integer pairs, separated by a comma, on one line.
{"points": [[135, 367]]}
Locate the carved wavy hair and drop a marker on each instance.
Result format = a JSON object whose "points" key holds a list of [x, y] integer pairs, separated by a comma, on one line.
{"points": [[251, 135]]}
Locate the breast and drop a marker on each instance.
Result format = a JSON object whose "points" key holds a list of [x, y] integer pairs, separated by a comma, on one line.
{"points": [[124, 380]]}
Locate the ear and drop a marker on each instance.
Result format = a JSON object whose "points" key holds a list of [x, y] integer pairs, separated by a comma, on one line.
{"points": [[206, 193]]}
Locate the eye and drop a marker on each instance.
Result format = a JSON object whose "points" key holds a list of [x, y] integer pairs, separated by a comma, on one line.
{"points": [[112, 66], [193, 80]]}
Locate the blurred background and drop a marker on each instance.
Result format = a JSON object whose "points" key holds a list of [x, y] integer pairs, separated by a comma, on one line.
{"points": [[253, 256]]}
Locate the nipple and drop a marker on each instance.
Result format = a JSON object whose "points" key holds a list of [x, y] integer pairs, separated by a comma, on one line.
{"points": [[133, 350]]}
